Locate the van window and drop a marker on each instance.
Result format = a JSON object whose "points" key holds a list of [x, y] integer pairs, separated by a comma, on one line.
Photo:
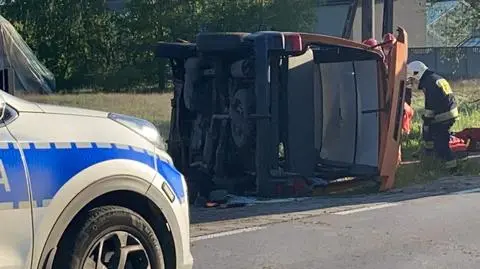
{"points": [[349, 132]]}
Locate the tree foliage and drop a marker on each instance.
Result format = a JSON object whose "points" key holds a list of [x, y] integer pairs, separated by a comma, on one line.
{"points": [[459, 23], [87, 45]]}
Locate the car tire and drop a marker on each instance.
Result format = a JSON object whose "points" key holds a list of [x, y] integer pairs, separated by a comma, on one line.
{"points": [[121, 230]]}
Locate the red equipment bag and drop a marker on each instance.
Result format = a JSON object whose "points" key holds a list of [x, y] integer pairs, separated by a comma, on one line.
{"points": [[471, 138], [457, 144]]}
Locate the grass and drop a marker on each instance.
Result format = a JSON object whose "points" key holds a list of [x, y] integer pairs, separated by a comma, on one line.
{"points": [[156, 108], [468, 97], [153, 107]]}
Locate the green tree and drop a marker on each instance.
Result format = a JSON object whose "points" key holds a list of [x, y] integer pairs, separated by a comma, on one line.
{"points": [[459, 23], [85, 44], [74, 38]]}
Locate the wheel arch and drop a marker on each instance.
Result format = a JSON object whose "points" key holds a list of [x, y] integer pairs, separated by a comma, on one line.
{"points": [[128, 198], [106, 189], [136, 202]]}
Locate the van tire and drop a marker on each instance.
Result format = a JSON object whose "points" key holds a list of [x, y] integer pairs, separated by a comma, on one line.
{"points": [[175, 50], [218, 42]]}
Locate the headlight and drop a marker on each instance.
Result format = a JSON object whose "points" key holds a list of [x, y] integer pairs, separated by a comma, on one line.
{"points": [[141, 127]]}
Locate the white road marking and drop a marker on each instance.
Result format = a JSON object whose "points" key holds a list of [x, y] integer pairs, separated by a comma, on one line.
{"points": [[275, 201], [467, 191], [227, 233], [368, 208]]}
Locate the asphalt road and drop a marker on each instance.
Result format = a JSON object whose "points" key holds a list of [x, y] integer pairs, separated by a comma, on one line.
{"points": [[431, 232]]}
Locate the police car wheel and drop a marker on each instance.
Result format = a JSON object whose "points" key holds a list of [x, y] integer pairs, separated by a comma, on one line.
{"points": [[112, 237]]}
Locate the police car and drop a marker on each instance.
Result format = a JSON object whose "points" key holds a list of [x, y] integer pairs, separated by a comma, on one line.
{"points": [[87, 189]]}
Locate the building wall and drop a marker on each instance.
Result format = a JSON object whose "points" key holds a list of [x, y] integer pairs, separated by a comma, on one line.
{"points": [[409, 14]]}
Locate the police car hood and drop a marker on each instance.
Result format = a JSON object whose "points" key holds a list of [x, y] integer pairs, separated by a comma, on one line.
{"points": [[53, 109], [25, 106]]}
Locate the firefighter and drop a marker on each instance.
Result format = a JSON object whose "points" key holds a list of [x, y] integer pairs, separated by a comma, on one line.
{"points": [[440, 111]]}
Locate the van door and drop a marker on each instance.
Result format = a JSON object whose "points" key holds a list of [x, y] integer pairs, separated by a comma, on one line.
{"points": [[334, 107], [392, 121], [347, 120], [15, 202]]}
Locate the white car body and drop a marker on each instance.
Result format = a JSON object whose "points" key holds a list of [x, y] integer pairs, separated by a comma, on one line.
{"points": [[56, 160]]}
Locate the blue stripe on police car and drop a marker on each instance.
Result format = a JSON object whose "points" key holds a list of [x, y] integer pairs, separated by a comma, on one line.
{"points": [[51, 165]]}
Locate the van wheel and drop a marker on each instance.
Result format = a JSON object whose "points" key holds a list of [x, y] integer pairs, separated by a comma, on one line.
{"points": [[175, 50], [111, 237], [218, 42]]}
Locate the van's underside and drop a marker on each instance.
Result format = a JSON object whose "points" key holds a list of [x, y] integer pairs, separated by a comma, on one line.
{"points": [[240, 115]]}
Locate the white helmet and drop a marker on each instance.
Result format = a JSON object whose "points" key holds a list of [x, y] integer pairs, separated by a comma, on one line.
{"points": [[415, 70]]}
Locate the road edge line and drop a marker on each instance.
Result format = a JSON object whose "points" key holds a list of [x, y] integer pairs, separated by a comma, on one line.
{"points": [[467, 191], [363, 209], [226, 233]]}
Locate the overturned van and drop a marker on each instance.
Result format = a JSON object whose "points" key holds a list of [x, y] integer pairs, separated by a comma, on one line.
{"points": [[280, 113]]}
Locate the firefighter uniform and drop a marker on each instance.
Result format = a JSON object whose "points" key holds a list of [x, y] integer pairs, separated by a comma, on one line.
{"points": [[440, 115]]}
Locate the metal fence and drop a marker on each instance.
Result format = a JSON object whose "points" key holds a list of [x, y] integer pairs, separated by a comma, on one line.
{"points": [[451, 62]]}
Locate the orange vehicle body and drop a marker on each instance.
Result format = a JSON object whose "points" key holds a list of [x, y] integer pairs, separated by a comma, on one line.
{"points": [[395, 96], [391, 121]]}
